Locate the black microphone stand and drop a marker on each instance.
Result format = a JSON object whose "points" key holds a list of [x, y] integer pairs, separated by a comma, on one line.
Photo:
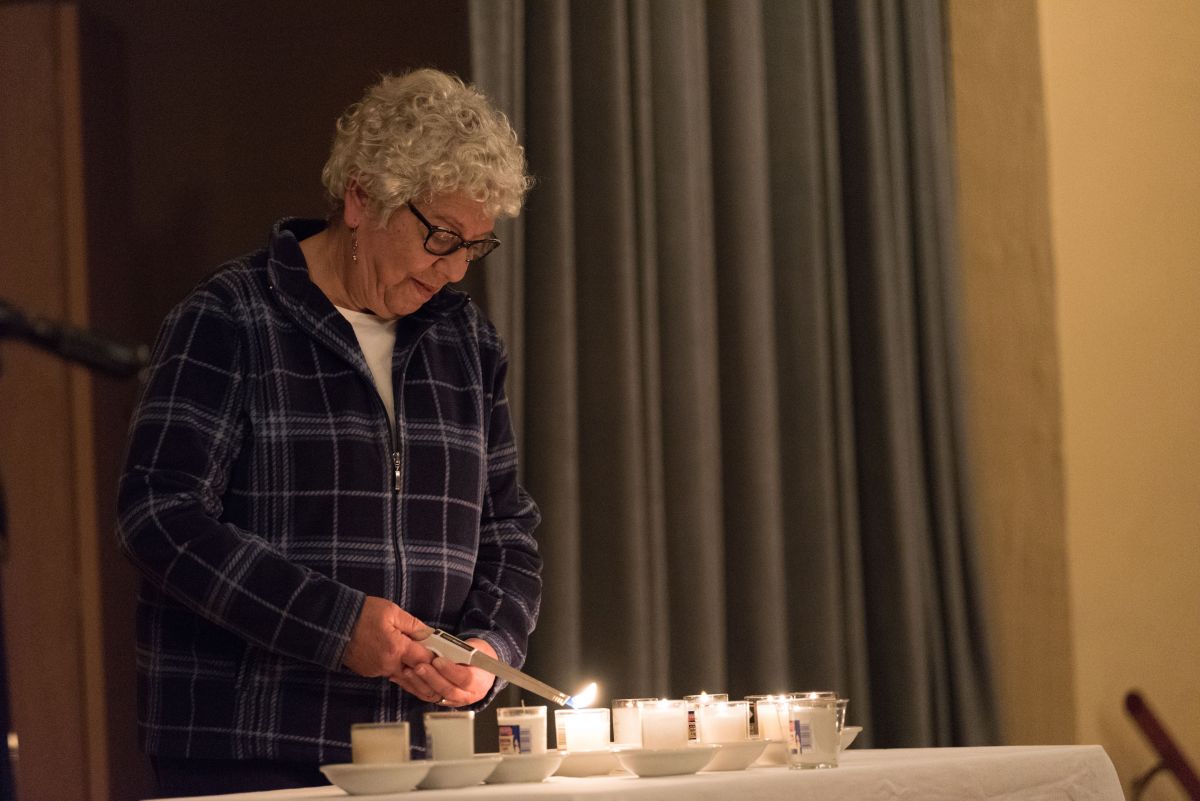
{"points": [[96, 352]]}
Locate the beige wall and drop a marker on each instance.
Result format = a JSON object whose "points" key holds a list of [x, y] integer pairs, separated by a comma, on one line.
{"points": [[1122, 103], [1078, 130], [1011, 363]]}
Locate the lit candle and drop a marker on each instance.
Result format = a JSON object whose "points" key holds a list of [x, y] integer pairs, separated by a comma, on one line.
{"points": [[584, 698], [582, 729], [722, 722], [695, 702], [522, 729], [450, 735], [664, 724], [627, 721], [379, 742]]}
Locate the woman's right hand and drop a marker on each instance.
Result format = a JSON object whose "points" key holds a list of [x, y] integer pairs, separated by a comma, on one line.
{"points": [[381, 643]]}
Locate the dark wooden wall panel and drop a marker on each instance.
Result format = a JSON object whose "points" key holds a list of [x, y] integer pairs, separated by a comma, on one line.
{"points": [[195, 125]]}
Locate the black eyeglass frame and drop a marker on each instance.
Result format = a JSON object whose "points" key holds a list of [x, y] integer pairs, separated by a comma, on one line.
{"points": [[491, 242]]}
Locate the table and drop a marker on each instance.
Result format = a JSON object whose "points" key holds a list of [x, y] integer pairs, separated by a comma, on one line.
{"points": [[1008, 773]]}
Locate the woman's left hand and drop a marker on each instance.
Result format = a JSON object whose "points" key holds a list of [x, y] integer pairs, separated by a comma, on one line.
{"points": [[447, 683]]}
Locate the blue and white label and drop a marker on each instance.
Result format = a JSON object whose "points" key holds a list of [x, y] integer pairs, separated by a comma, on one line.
{"points": [[515, 740]]}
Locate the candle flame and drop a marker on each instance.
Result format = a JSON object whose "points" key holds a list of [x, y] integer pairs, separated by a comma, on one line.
{"points": [[584, 698]]}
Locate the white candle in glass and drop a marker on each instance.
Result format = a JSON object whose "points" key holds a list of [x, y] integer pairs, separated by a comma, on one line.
{"points": [[379, 742], [664, 724], [768, 714], [812, 733], [695, 702], [722, 722], [522, 729], [627, 721], [582, 729], [450, 735]]}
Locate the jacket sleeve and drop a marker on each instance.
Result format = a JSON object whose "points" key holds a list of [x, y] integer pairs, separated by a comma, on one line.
{"points": [[502, 606], [185, 435]]}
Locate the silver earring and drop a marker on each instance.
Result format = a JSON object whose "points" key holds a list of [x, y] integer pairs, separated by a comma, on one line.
{"points": [[354, 245]]}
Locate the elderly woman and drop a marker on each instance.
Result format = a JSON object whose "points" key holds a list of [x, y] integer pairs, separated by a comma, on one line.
{"points": [[322, 463]]}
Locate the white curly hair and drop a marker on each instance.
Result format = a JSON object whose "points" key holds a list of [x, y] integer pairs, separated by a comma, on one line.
{"points": [[422, 133]]}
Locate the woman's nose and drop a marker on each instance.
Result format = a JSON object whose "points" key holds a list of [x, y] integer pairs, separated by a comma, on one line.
{"points": [[454, 266]]}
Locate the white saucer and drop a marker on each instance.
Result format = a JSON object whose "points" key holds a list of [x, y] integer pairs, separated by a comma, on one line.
{"points": [[774, 754], [525, 767], [667, 761], [737, 755], [847, 736], [587, 763], [373, 778], [448, 773]]}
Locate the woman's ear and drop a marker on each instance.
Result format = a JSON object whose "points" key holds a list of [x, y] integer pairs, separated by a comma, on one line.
{"points": [[354, 204]]}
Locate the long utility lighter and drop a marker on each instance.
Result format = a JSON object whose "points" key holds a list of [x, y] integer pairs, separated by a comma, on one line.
{"points": [[456, 650]]}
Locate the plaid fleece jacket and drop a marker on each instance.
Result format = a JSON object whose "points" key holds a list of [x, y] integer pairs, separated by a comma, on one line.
{"points": [[266, 494]]}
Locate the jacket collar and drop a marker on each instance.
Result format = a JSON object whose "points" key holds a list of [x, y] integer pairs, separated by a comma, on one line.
{"points": [[307, 305]]}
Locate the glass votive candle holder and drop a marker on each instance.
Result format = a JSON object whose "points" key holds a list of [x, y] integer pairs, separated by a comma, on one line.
{"points": [[379, 742], [769, 716], [664, 723], [812, 733], [522, 729], [723, 722], [841, 706], [753, 700], [694, 702], [450, 735], [582, 729], [627, 721]]}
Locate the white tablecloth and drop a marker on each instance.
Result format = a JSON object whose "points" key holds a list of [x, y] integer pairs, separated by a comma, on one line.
{"points": [[1010, 773]]}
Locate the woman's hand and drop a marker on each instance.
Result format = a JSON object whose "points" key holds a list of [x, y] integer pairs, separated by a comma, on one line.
{"points": [[445, 682], [382, 643]]}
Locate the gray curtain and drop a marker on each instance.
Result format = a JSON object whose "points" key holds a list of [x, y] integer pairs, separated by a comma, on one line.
{"points": [[730, 315]]}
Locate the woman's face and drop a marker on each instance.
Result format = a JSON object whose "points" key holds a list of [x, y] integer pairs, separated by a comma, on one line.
{"points": [[396, 274]]}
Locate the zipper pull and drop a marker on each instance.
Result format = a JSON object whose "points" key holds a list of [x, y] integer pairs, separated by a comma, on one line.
{"points": [[396, 469]]}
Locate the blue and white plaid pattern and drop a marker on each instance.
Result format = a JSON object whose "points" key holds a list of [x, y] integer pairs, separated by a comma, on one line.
{"points": [[259, 501]]}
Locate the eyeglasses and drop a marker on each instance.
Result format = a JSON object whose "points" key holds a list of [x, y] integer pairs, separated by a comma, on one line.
{"points": [[441, 241]]}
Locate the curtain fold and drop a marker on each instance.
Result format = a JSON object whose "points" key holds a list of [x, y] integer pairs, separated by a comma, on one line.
{"points": [[731, 324]]}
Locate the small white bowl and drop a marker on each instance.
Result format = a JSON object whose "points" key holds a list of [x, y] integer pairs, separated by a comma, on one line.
{"points": [[667, 761], [737, 755], [449, 773], [774, 754], [376, 778], [847, 736], [587, 763], [525, 767]]}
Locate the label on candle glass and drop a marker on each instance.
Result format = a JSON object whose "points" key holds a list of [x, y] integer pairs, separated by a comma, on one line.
{"points": [[800, 737], [510, 740]]}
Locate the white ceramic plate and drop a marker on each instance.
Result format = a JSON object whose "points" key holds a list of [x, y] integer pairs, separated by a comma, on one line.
{"points": [[587, 763], [847, 736], [376, 777], [774, 754], [448, 773], [737, 755], [525, 767], [667, 761]]}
